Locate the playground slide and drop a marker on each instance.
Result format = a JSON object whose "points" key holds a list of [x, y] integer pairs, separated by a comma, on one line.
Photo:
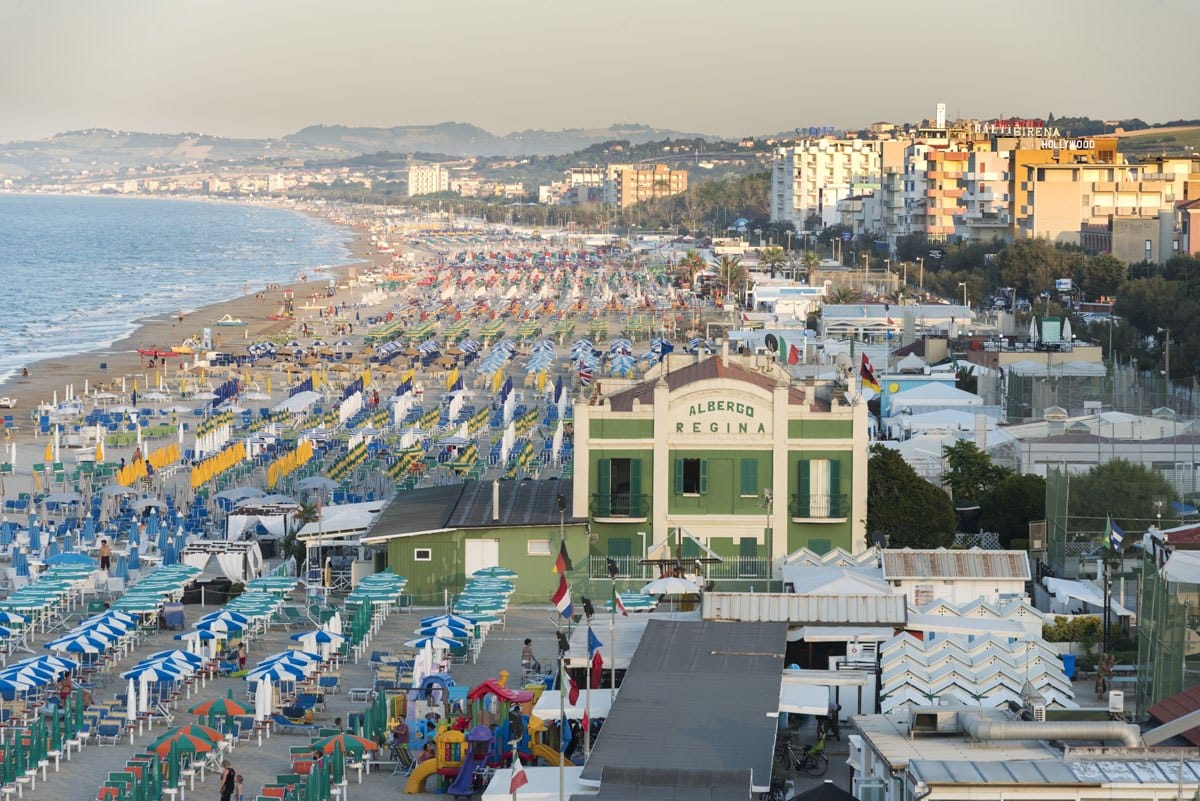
{"points": [[548, 755], [461, 786], [416, 780]]}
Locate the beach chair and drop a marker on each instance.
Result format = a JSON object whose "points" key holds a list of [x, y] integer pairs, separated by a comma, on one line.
{"points": [[285, 726], [108, 732]]}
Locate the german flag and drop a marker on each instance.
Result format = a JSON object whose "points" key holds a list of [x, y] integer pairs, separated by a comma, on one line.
{"points": [[563, 563], [867, 374]]}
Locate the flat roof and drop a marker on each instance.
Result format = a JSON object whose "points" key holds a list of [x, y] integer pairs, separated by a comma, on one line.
{"points": [[689, 686], [889, 738], [1088, 772], [671, 784]]}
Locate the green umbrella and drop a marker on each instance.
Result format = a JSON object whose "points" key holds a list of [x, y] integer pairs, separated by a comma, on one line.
{"points": [[338, 765]]}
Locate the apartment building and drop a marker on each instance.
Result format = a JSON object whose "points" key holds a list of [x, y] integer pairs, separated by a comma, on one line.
{"points": [[427, 179], [986, 201], [809, 179], [627, 184]]}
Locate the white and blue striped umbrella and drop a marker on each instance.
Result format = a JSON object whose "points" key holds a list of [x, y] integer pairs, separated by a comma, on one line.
{"points": [[460, 621], [276, 672], [444, 631], [79, 644], [433, 642], [320, 637], [158, 671]]}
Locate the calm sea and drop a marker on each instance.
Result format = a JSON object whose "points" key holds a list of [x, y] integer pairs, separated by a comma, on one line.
{"points": [[76, 272]]}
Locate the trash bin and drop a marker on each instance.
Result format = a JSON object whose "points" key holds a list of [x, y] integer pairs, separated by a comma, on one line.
{"points": [[1068, 661]]}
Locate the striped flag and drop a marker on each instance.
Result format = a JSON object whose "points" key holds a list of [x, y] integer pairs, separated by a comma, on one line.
{"points": [[868, 375], [563, 563], [585, 375], [618, 605], [519, 777], [562, 598]]}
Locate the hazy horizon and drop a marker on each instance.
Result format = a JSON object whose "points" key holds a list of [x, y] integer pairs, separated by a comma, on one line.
{"points": [[270, 68]]}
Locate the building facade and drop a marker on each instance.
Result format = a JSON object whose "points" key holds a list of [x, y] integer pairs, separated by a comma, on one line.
{"points": [[728, 451], [427, 179], [628, 184], [810, 178]]}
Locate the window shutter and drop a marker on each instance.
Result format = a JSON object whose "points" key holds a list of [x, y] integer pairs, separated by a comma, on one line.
{"points": [[678, 476], [803, 488], [635, 488], [749, 479], [835, 488], [604, 477], [703, 476]]}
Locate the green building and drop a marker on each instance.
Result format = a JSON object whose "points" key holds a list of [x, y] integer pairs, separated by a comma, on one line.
{"points": [[728, 455], [438, 536]]}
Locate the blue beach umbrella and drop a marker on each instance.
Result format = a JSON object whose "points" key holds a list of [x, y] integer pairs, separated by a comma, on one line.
{"points": [[433, 642], [135, 561], [35, 534], [72, 558], [444, 631]]}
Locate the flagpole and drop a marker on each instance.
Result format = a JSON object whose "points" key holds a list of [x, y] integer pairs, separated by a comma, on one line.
{"points": [[612, 643], [587, 712], [562, 726]]}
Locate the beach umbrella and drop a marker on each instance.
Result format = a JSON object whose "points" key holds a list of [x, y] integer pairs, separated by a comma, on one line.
{"points": [[263, 699], [276, 672], [434, 642], [131, 708], [349, 743], [71, 558], [494, 572], [156, 672], [222, 707], [55, 665], [320, 637], [178, 741], [317, 483], [79, 644], [444, 631], [12, 617], [227, 615]]}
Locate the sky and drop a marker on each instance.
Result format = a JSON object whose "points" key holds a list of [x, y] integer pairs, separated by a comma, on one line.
{"points": [[261, 68]]}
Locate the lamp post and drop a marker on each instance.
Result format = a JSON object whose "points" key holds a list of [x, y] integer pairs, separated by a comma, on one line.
{"points": [[963, 284], [921, 261], [1167, 354]]}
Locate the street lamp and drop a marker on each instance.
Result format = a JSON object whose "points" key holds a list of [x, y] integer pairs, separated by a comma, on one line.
{"points": [[921, 261], [1167, 365], [963, 284]]}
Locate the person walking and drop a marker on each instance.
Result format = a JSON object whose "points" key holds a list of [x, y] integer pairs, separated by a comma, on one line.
{"points": [[105, 555], [228, 781]]}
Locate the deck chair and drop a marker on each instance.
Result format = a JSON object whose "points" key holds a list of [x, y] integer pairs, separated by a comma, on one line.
{"points": [[285, 726], [108, 732]]}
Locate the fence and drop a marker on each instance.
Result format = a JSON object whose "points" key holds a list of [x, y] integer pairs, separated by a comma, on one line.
{"points": [[734, 568]]}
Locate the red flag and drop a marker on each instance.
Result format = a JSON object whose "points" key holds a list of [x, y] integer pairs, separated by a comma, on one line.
{"points": [[563, 563], [568, 684], [586, 722], [620, 606], [519, 777], [597, 669], [793, 354], [867, 375]]}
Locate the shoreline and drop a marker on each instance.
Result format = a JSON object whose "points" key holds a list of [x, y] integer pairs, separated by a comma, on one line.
{"points": [[52, 375]]}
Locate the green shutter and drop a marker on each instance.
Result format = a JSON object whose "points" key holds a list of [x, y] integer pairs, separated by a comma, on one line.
{"points": [[749, 477], [678, 476], [635, 488], [703, 476], [803, 488], [820, 547], [747, 548], [604, 476], [835, 488]]}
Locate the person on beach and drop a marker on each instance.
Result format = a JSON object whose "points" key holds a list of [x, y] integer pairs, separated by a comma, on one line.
{"points": [[228, 781], [105, 554], [239, 788], [241, 655], [64, 689]]}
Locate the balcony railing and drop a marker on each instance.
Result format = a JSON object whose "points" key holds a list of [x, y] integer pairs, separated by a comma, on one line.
{"points": [[819, 506], [732, 569], [620, 504]]}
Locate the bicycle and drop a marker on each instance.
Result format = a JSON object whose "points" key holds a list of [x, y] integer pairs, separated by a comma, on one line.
{"points": [[811, 759]]}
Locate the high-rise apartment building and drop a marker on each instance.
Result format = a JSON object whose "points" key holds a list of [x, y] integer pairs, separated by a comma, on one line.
{"points": [[427, 179], [628, 184], [810, 178]]}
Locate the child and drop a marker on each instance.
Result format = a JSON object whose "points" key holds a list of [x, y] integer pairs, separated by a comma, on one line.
{"points": [[239, 788]]}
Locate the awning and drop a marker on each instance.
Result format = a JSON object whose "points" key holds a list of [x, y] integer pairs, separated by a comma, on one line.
{"points": [[839, 634], [599, 706], [542, 783], [1064, 590], [826, 678], [803, 699], [1183, 567]]}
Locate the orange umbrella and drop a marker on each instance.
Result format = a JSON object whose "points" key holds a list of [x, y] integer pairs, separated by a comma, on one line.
{"points": [[351, 744]]}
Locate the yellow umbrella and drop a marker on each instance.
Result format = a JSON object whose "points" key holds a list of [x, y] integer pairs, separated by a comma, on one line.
{"points": [[100, 450], [48, 456]]}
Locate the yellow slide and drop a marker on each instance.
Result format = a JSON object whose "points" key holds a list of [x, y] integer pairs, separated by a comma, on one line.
{"points": [[547, 754], [416, 780]]}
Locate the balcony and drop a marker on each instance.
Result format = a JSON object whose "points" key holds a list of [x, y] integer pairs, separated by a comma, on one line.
{"points": [[732, 569], [819, 507], [619, 507]]}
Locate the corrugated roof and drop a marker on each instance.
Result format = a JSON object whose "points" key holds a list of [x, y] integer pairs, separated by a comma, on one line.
{"points": [[798, 610], [1076, 772], [710, 368], [1177, 706], [933, 563], [713, 685], [469, 505], [889, 737], [671, 784]]}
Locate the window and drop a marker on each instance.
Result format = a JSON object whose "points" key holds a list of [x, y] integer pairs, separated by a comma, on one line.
{"points": [[691, 476], [537, 548], [619, 488], [922, 594], [819, 489], [749, 478], [422, 554]]}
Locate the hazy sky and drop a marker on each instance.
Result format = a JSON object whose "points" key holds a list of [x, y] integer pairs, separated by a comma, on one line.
{"points": [[267, 67]]}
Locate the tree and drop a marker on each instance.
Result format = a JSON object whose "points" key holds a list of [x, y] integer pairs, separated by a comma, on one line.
{"points": [[691, 263], [772, 259], [970, 472], [1102, 275], [905, 507], [291, 545], [1010, 506], [1031, 265], [732, 275], [1129, 492]]}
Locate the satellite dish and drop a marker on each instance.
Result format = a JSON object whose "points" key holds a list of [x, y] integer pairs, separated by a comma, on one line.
{"points": [[772, 343], [880, 539]]}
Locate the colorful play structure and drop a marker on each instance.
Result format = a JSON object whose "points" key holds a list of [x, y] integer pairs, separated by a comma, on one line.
{"points": [[474, 738]]}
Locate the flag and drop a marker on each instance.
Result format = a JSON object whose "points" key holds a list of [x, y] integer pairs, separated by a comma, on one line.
{"points": [[586, 723], [562, 598], [1115, 535], [618, 605], [666, 348], [891, 323], [563, 563], [793, 356], [585, 376], [867, 374], [565, 737], [567, 685], [519, 778], [594, 646]]}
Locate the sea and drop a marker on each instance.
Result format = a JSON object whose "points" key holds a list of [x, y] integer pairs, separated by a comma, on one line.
{"points": [[76, 273]]}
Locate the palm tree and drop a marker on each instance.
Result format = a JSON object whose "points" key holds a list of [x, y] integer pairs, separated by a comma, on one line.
{"points": [[290, 546], [732, 275], [842, 294], [810, 262], [691, 263], [772, 259]]}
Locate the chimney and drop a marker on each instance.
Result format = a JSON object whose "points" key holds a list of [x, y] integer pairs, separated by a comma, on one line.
{"points": [[496, 500]]}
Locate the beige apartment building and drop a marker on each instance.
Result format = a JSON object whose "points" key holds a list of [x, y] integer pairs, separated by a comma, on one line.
{"points": [[628, 184]]}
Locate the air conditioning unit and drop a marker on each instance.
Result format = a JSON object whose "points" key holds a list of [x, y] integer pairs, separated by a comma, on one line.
{"points": [[1039, 713], [1116, 702]]}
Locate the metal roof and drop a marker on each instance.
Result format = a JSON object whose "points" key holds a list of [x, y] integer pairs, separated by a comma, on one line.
{"points": [[1176, 706], [1090, 772], [671, 784], [826, 610], [888, 737], [707, 680], [934, 563], [469, 505]]}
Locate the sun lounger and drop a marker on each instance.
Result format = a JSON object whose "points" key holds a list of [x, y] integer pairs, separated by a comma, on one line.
{"points": [[285, 726]]}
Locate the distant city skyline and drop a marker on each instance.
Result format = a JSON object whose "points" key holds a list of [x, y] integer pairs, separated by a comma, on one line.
{"points": [[269, 68]]}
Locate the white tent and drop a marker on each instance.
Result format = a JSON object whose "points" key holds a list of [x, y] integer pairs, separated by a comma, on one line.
{"points": [[542, 783], [342, 520], [936, 394]]}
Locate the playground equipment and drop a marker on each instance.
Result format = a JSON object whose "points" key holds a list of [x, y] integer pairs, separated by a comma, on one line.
{"points": [[537, 746]]}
